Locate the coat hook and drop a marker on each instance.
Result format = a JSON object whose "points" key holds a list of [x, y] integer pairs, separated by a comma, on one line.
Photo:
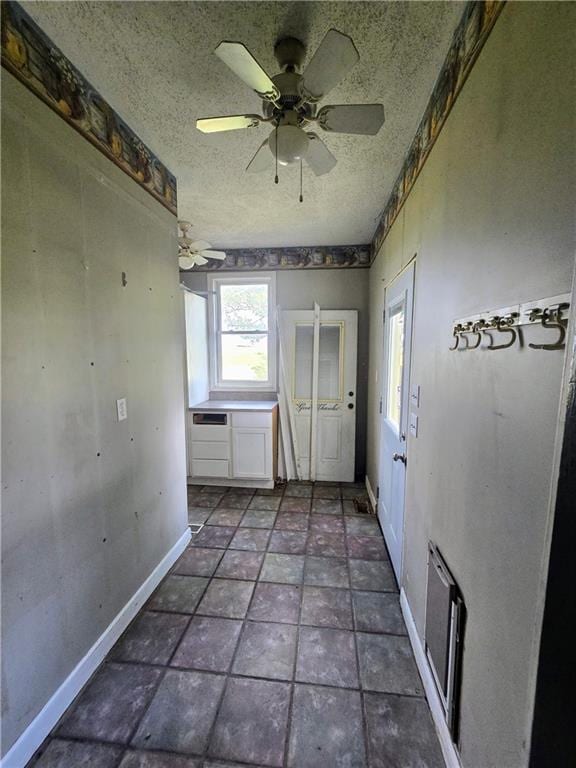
{"points": [[456, 335], [551, 318], [503, 325], [475, 330]]}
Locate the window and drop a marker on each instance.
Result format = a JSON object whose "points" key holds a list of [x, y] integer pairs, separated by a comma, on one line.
{"points": [[242, 332]]}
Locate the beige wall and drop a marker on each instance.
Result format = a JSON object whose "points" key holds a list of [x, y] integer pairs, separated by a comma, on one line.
{"points": [[491, 219], [332, 289], [90, 505]]}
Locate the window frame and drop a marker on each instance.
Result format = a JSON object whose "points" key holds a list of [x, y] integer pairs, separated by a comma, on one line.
{"points": [[215, 282]]}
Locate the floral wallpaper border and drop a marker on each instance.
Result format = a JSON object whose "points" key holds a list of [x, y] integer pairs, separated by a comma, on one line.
{"points": [[29, 54], [472, 32], [313, 257]]}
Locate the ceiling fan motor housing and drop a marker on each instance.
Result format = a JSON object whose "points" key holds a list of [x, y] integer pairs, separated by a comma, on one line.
{"points": [[290, 53]]}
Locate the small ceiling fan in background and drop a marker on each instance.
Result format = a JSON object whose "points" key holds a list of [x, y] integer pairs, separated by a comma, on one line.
{"points": [[194, 252], [290, 99]]}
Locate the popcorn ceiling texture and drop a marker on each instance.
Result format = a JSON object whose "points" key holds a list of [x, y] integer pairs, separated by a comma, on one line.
{"points": [[153, 62]]}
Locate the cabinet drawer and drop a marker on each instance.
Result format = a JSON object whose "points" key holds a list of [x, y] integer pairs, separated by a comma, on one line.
{"points": [[209, 468], [209, 450], [209, 432], [251, 419]]}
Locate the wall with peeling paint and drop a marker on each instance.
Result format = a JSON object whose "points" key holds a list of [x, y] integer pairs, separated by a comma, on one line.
{"points": [[491, 219], [90, 505]]}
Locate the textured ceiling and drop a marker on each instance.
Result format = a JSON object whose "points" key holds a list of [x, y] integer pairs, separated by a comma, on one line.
{"points": [[153, 62]]}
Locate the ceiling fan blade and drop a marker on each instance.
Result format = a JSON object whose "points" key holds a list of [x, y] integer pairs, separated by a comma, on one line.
{"points": [[229, 123], [220, 255], [334, 58], [262, 160], [243, 64], [319, 157], [200, 260], [186, 262], [365, 119], [200, 245]]}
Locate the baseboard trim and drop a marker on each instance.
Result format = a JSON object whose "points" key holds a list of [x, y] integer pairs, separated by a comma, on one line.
{"points": [[371, 495], [451, 757], [23, 749]]}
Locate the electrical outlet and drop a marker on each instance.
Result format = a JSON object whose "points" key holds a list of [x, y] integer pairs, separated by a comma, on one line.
{"points": [[415, 395], [122, 409]]}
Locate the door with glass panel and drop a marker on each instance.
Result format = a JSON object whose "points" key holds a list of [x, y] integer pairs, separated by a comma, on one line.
{"points": [[395, 401], [325, 443]]}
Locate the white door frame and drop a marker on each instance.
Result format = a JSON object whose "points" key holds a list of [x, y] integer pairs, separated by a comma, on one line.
{"points": [[406, 294]]}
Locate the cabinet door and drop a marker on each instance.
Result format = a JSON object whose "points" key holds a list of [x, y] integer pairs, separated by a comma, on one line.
{"points": [[251, 452]]}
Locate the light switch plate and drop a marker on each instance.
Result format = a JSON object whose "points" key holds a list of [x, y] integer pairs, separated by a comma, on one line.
{"points": [[413, 425], [415, 395], [122, 409]]}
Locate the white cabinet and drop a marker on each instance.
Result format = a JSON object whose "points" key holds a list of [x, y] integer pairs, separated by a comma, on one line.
{"points": [[233, 445], [251, 452]]}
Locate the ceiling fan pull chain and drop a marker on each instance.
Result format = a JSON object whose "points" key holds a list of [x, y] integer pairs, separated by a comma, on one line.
{"points": [[301, 195], [276, 154]]}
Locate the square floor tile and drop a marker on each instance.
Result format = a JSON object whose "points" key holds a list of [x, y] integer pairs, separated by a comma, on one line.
{"points": [[326, 572], [299, 491], [266, 650], [110, 707], [327, 657], [352, 490], [283, 569], [327, 507], [197, 561], [225, 516], [292, 521], [181, 714], [141, 759], [252, 722], [238, 564], [288, 542], [363, 526], [341, 745], [326, 524], [348, 507], [366, 547], [213, 536], [375, 575], [253, 539], [277, 491], [378, 612], [400, 732], [199, 499], [291, 504], [209, 644], [270, 503], [275, 602], [326, 492], [78, 754], [236, 500], [179, 594], [327, 544], [151, 639], [199, 515], [227, 598], [326, 607], [258, 518], [387, 664]]}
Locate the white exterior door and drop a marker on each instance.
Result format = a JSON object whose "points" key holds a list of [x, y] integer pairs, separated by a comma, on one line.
{"points": [[332, 443], [395, 403]]}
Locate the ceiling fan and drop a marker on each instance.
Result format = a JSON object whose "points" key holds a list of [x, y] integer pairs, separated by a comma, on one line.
{"points": [[194, 252], [290, 99]]}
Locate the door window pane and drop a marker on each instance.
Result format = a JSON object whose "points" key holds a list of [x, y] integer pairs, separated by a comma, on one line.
{"points": [[329, 362], [395, 365], [303, 348]]}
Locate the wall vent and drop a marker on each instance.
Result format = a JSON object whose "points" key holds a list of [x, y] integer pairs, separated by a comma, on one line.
{"points": [[444, 634]]}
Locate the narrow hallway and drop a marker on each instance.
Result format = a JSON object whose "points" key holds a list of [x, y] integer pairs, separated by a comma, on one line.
{"points": [[276, 640]]}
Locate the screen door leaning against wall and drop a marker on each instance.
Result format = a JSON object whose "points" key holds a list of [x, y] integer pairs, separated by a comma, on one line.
{"points": [[325, 434]]}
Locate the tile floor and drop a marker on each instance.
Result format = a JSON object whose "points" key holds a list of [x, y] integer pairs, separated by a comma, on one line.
{"points": [[277, 640]]}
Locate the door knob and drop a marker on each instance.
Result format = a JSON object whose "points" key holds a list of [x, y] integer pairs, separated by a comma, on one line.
{"points": [[399, 457]]}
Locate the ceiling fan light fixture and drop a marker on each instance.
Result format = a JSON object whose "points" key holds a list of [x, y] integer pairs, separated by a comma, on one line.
{"points": [[292, 144], [186, 262]]}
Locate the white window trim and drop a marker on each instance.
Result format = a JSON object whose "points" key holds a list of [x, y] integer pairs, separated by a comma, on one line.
{"points": [[236, 278]]}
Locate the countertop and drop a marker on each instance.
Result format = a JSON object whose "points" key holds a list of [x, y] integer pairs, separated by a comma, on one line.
{"points": [[262, 406]]}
